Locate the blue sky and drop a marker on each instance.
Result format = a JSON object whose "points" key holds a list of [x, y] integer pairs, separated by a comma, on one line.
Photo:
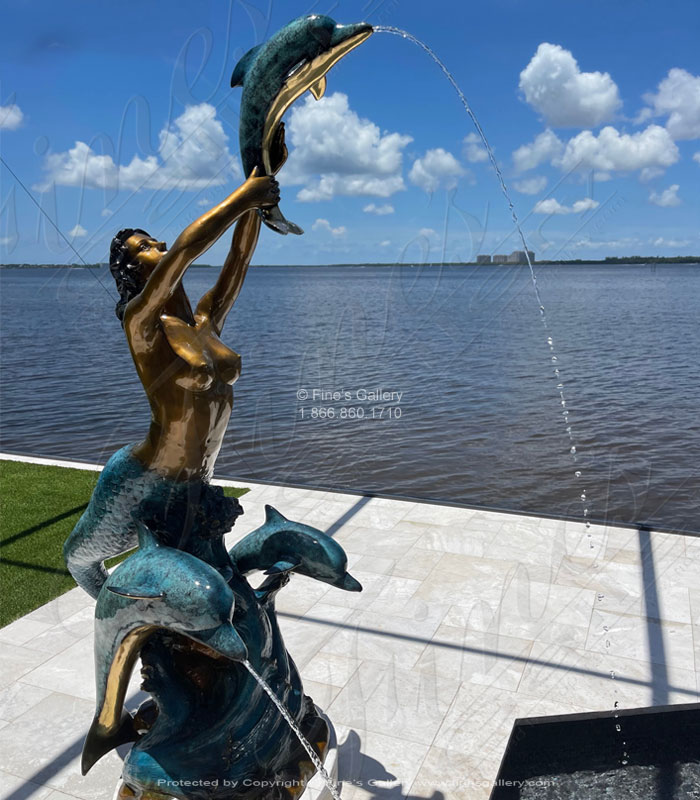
{"points": [[121, 114]]}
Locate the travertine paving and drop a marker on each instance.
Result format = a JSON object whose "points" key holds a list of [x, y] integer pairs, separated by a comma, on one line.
{"points": [[468, 620]]}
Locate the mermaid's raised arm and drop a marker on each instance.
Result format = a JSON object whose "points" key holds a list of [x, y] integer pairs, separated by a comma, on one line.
{"points": [[219, 300], [197, 238]]}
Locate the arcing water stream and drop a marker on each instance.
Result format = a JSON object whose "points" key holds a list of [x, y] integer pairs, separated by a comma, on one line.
{"points": [[533, 277], [554, 360], [550, 341], [292, 724]]}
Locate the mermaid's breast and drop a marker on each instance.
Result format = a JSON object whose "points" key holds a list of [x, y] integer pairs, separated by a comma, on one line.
{"points": [[201, 349]]}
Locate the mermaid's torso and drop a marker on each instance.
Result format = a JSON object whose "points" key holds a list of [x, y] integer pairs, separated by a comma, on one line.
{"points": [[187, 373]]}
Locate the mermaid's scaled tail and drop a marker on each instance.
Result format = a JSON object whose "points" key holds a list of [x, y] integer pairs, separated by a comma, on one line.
{"points": [[90, 544], [107, 528], [187, 515]]}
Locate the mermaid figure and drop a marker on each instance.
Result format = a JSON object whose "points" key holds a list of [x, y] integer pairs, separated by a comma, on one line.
{"points": [[187, 373], [181, 602]]}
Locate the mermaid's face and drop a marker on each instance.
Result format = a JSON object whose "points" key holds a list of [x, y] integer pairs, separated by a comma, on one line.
{"points": [[145, 251]]}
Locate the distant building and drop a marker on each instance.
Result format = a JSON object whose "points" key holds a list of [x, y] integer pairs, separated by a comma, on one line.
{"points": [[518, 257], [483, 259], [500, 259]]}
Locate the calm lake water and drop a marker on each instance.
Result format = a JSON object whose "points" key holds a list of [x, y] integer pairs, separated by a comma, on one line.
{"points": [[478, 421]]}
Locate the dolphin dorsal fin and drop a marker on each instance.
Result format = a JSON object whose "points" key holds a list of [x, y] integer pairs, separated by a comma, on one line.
{"points": [[272, 516], [135, 593], [285, 564], [240, 70], [146, 537]]}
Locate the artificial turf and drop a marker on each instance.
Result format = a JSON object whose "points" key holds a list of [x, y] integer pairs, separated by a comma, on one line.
{"points": [[39, 506]]}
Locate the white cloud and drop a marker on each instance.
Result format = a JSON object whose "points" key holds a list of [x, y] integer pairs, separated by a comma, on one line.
{"points": [[615, 151], [427, 232], [644, 116], [380, 211], [661, 242], [545, 147], [350, 154], [591, 244], [77, 232], [435, 167], [649, 173], [532, 185], [554, 85], [193, 154], [552, 206], [204, 201], [325, 225], [10, 117], [106, 212], [669, 197], [678, 96], [474, 150], [584, 205], [385, 243], [328, 186], [696, 156]]}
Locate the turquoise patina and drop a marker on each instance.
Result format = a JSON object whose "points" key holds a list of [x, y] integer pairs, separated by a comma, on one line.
{"points": [[209, 730], [212, 654], [281, 545], [189, 515], [299, 54]]}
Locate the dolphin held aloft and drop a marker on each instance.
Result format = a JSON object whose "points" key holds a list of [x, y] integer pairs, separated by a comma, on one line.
{"points": [[274, 74], [156, 588], [281, 545]]}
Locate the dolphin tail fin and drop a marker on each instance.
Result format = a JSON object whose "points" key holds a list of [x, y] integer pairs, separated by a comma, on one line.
{"points": [[98, 742], [274, 219], [241, 69]]}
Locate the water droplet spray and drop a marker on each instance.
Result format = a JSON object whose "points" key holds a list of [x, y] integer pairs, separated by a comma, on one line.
{"points": [[292, 724]]}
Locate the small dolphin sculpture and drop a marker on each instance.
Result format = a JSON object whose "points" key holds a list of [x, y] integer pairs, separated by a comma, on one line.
{"points": [[280, 545], [274, 74], [157, 587]]}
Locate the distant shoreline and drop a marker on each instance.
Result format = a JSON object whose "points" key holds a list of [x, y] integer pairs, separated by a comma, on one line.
{"points": [[610, 262]]}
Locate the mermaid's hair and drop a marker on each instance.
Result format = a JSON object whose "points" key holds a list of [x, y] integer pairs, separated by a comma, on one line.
{"points": [[125, 272]]}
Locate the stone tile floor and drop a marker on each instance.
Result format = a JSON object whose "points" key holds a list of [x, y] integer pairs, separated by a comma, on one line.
{"points": [[468, 620]]}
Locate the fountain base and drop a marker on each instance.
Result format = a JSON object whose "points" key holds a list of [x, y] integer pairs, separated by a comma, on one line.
{"points": [[315, 789], [582, 757]]}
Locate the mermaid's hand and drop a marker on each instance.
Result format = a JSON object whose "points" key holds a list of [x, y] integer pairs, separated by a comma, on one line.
{"points": [[261, 192], [278, 149]]}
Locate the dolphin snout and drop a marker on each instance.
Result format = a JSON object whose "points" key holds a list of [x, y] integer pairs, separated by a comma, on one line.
{"points": [[223, 640], [348, 583], [355, 30]]}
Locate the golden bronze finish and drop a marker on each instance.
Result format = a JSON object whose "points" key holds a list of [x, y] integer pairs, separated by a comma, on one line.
{"points": [[318, 89], [311, 75], [127, 793], [109, 718], [186, 370]]}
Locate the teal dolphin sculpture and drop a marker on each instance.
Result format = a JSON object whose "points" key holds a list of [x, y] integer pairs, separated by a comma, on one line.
{"points": [[156, 588], [274, 74], [280, 545]]}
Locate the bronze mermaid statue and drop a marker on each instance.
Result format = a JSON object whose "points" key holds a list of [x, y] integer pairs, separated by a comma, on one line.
{"points": [[181, 602], [210, 646]]}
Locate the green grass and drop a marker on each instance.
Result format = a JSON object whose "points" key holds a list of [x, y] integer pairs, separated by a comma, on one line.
{"points": [[39, 506]]}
